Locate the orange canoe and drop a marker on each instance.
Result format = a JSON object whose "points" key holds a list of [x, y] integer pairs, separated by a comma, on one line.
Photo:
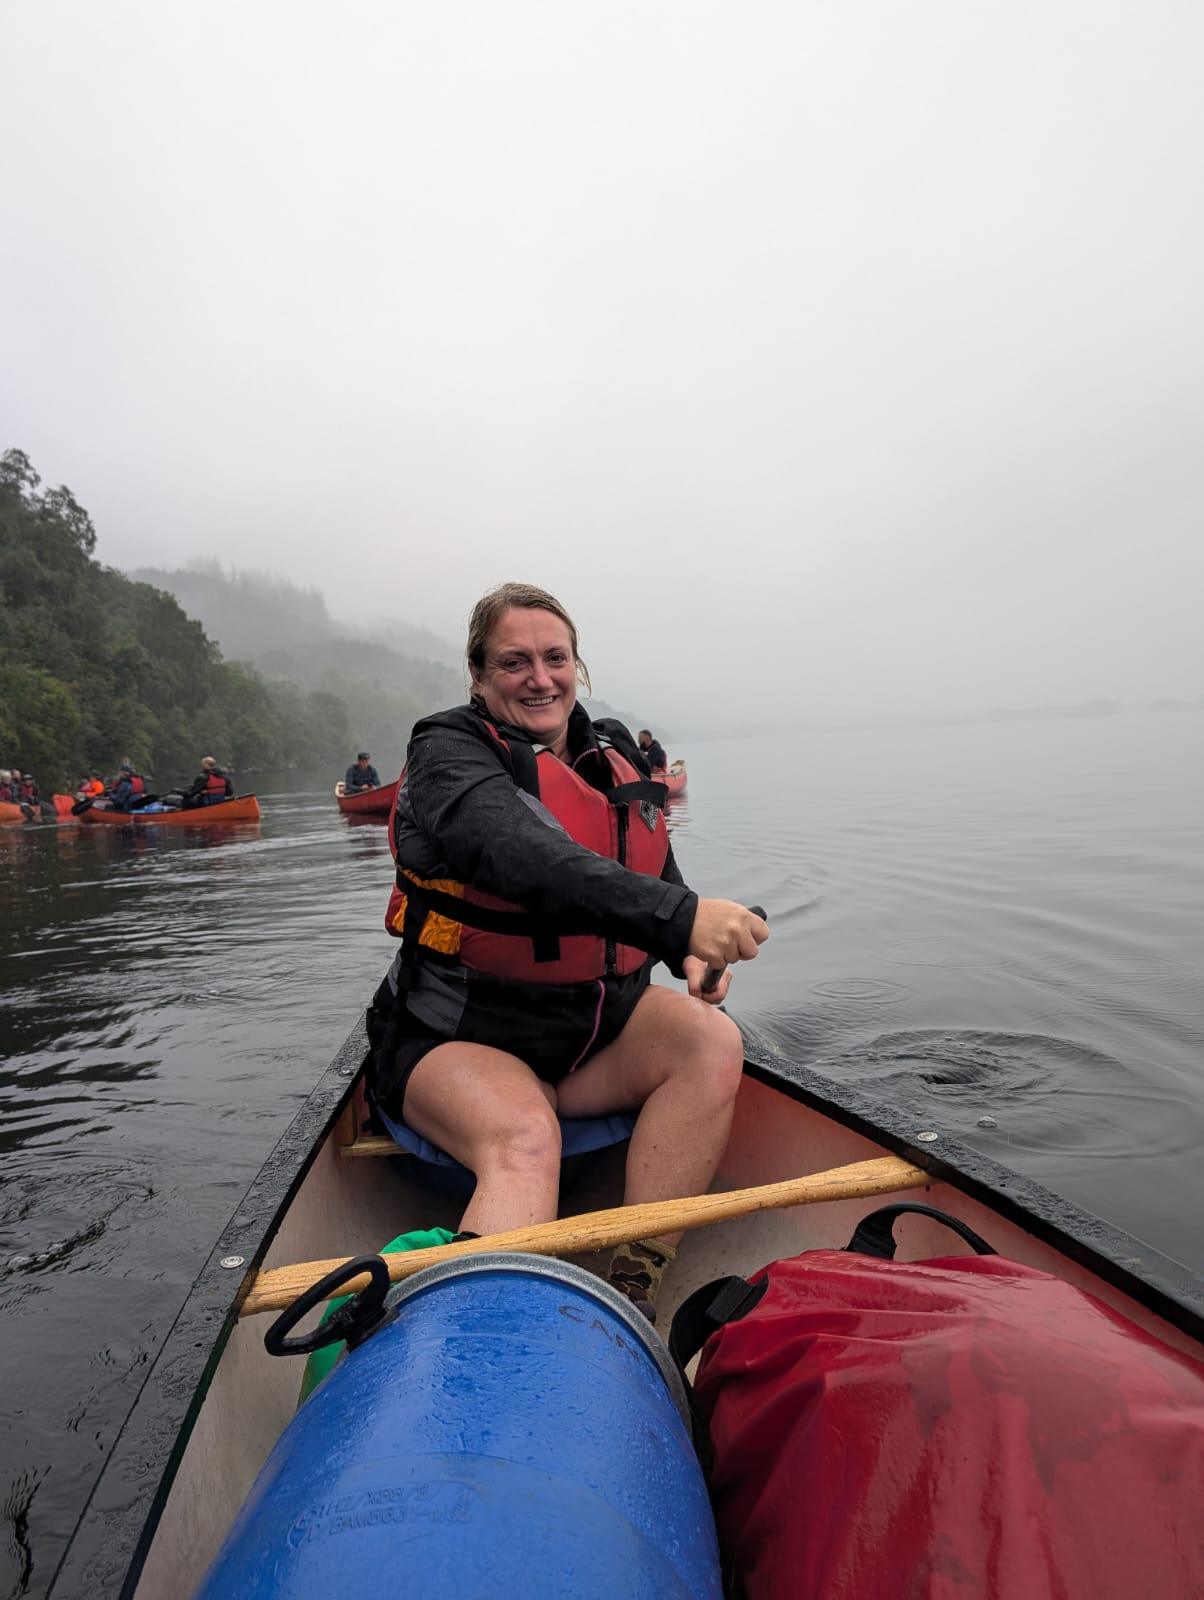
{"points": [[243, 808], [369, 802], [675, 779], [10, 813]]}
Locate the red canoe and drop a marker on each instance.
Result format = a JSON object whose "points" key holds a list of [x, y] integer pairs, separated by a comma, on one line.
{"points": [[675, 779], [243, 808], [369, 802]]}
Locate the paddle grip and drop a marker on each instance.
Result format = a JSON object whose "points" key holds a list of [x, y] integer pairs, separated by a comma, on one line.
{"points": [[713, 974]]}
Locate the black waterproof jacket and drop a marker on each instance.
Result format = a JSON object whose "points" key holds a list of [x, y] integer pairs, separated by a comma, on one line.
{"points": [[460, 815]]}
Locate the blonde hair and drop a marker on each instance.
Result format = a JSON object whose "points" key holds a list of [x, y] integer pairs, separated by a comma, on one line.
{"points": [[492, 607]]}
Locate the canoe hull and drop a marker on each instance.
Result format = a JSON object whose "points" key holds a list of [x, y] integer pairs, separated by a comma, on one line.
{"points": [[10, 814], [197, 1458], [243, 808], [369, 803]]}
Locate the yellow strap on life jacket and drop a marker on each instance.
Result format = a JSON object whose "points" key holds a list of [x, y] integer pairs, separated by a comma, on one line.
{"points": [[438, 932]]}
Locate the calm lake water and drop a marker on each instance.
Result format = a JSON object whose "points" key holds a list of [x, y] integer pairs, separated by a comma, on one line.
{"points": [[982, 921]]}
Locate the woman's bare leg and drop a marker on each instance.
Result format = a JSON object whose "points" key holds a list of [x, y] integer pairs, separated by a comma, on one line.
{"points": [[489, 1110], [678, 1061]]}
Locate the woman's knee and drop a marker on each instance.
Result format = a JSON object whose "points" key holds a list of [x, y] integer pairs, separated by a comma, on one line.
{"points": [[522, 1138], [724, 1052], [711, 1054]]}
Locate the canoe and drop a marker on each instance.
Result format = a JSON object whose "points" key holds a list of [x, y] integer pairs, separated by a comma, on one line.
{"points": [[214, 1403], [675, 779], [369, 802], [243, 808], [63, 804], [10, 813]]}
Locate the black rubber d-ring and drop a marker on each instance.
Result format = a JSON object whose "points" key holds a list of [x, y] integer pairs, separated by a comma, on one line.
{"points": [[351, 1323]]}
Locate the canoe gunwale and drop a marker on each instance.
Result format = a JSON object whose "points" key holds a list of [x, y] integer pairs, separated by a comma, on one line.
{"points": [[109, 1546], [1162, 1284], [111, 1541]]}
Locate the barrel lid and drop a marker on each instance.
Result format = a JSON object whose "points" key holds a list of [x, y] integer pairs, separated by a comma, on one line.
{"points": [[533, 1266]]}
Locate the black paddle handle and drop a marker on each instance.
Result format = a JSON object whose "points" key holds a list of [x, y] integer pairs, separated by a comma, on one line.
{"points": [[713, 974]]}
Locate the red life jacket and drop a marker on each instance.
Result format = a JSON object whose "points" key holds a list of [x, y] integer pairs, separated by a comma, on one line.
{"points": [[496, 936], [216, 787], [26, 792]]}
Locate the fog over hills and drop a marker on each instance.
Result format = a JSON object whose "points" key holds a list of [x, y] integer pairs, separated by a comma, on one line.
{"points": [[388, 673]]}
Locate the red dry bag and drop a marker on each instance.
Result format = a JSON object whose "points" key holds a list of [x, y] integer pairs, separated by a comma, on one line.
{"points": [[966, 1427]]}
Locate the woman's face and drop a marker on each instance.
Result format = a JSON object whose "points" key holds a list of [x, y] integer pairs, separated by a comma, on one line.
{"points": [[530, 675]]}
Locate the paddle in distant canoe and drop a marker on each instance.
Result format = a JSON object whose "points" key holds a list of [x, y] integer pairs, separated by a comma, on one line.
{"points": [[368, 802], [243, 808]]}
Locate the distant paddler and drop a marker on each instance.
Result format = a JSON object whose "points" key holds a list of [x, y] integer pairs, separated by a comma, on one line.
{"points": [[209, 788], [361, 775]]}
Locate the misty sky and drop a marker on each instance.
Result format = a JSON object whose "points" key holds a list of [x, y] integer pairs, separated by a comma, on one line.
{"points": [[828, 360]]}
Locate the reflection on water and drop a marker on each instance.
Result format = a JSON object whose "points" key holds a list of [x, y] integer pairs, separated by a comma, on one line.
{"points": [[1000, 925]]}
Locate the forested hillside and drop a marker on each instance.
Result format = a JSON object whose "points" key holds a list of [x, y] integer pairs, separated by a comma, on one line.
{"points": [[287, 634], [96, 667]]}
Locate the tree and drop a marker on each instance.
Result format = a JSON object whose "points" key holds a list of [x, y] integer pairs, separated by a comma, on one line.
{"points": [[41, 720]]}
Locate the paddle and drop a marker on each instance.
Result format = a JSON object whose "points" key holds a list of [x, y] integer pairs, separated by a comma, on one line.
{"points": [[80, 806], [713, 974], [597, 1230]]}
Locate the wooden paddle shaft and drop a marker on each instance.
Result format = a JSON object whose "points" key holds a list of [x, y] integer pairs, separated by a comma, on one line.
{"points": [[598, 1230]]}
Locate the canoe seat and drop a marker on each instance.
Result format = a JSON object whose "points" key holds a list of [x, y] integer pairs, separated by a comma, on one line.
{"points": [[579, 1137]]}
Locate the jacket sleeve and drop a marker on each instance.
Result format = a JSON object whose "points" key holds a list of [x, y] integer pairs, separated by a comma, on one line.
{"points": [[482, 830]]}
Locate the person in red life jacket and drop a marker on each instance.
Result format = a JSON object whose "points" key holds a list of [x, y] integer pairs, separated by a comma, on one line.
{"points": [[209, 787], [535, 889], [27, 795], [128, 791], [8, 794], [653, 751]]}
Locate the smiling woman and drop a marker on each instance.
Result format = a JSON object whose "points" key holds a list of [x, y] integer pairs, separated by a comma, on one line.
{"points": [[536, 888], [522, 654]]}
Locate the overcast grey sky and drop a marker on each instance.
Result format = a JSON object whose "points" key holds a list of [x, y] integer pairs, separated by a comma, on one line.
{"points": [[828, 359]]}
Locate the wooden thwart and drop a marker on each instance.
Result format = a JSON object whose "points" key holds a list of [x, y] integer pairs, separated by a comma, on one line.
{"points": [[598, 1230]]}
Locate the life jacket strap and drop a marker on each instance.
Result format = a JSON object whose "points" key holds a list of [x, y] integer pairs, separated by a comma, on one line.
{"points": [[642, 790], [420, 899]]}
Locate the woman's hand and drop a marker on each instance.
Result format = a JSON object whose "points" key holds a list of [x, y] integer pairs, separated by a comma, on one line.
{"points": [[724, 932], [694, 971]]}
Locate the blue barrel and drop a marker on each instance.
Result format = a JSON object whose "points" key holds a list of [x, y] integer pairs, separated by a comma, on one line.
{"points": [[517, 1430]]}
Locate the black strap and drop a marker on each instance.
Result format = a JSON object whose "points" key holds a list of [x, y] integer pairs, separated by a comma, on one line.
{"points": [[642, 789], [525, 764], [708, 1309], [422, 899], [875, 1234]]}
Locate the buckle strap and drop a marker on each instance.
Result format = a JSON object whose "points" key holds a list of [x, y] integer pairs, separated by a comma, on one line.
{"points": [[545, 939]]}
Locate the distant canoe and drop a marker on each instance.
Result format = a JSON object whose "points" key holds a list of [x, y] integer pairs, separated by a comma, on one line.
{"points": [[10, 813], [675, 779], [63, 804], [368, 802], [243, 808]]}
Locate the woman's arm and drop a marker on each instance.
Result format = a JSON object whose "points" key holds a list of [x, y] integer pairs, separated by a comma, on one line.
{"points": [[475, 823]]}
